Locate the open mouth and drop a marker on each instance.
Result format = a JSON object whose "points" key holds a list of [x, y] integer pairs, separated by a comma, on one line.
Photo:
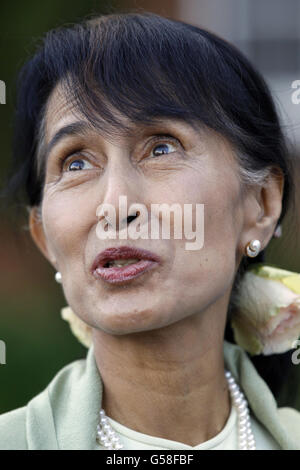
{"points": [[121, 264]]}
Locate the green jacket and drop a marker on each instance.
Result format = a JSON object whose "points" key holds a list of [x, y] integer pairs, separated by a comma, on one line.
{"points": [[65, 415]]}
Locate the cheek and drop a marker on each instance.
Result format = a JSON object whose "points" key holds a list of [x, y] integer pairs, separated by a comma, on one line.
{"points": [[66, 220], [218, 190], [213, 266]]}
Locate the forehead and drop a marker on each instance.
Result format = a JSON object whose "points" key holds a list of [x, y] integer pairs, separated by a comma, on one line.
{"points": [[61, 111], [63, 119]]}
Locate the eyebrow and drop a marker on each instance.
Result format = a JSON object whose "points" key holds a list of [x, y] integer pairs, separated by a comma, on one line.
{"points": [[76, 128]]}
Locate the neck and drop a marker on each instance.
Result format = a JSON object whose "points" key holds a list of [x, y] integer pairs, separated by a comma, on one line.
{"points": [[156, 379]]}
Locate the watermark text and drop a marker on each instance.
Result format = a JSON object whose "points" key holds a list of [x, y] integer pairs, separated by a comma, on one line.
{"points": [[2, 92], [2, 352], [164, 221]]}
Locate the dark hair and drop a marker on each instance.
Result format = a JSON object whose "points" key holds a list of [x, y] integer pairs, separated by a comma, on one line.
{"points": [[146, 66]]}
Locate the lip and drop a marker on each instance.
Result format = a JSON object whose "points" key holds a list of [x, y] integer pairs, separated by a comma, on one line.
{"points": [[147, 261]]}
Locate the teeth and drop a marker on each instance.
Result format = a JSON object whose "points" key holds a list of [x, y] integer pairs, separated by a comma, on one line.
{"points": [[122, 262]]}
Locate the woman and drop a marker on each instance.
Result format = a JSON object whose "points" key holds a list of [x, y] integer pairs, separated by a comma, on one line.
{"points": [[158, 111]]}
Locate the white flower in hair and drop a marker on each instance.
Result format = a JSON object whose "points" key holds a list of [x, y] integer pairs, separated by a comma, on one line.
{"points": [[266, 310], [79, 328]]}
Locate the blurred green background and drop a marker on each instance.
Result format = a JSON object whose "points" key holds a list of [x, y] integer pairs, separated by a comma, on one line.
{"points": [[38, 341]]}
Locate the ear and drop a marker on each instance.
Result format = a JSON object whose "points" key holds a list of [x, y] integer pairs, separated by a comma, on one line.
{"points": [[38, 235], [263, 205]]}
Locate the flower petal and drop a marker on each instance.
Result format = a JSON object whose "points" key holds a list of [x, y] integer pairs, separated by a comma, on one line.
{"points": [[266, 313], [79, 328]]}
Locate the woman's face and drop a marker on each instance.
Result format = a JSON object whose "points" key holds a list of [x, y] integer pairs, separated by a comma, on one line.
{"points": [[189, 166]]}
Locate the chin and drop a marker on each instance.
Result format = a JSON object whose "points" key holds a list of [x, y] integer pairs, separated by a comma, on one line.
{"points": [[128, 321]]}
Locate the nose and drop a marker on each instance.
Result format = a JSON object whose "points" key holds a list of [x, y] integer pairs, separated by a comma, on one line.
{"points": [[122, 187], [130, 218]]}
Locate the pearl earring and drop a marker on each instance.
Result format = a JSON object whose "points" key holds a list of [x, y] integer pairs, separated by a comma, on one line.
{"points": [[253, 248], [58, 277]]}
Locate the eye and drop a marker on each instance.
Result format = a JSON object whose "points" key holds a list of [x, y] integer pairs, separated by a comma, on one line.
{"points": [[79, 164], [165, 148], [74, 162], [162, 149]]}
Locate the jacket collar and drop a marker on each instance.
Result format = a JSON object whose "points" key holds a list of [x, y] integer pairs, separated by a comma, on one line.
{"points": [[260, 398], [65, 415]]}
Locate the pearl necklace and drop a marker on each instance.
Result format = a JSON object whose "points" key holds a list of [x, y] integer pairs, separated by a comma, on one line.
{"points": [[108, 438]]}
